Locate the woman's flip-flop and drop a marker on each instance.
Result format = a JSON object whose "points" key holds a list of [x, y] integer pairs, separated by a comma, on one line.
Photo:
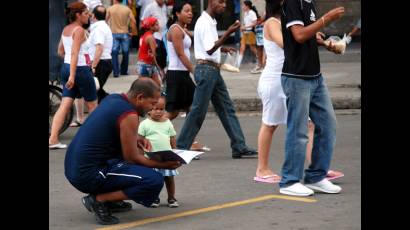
{"points": [[270, 179], [58, 146], [332, 175], [75, 124]]}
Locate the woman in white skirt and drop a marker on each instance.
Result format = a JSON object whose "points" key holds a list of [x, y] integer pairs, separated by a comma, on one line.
{"points": [[273, 98]]}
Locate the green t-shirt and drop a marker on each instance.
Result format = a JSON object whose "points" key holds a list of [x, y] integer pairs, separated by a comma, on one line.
{"points": [[158, 133]]}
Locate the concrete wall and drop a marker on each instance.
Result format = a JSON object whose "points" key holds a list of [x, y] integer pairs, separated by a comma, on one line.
{"points": [[344, 25]]}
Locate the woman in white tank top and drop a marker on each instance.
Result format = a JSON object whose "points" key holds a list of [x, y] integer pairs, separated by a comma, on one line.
{"points": [[271, 93], [76, 75], [180, 87]]}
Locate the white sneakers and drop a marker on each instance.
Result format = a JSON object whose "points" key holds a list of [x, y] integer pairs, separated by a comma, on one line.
{"points": [[299, 189], [325, 186], [296, 189]]}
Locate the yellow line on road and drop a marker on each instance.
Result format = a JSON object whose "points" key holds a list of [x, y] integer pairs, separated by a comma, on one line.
{"points": [[203, 210]]}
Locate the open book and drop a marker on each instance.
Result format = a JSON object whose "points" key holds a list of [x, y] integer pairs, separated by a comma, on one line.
{"points": [[183, 156]]}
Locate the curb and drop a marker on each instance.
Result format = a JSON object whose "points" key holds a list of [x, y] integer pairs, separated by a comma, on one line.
{"points": [[255, 104]]}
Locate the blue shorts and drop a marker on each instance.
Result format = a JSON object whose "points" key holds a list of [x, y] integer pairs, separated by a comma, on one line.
{"points": [[84, 84], [146, 70], [140, 184]]}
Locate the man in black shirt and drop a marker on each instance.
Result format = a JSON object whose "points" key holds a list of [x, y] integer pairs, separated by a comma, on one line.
{"points": [[306, 96]]}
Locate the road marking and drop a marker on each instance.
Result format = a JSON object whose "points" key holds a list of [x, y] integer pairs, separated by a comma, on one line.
{"points": [[203, 210]]}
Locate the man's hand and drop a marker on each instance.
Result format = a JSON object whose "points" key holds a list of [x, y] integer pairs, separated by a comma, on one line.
{"points": [[334, 14], [144, 144], [234, 27], [170, 164]]}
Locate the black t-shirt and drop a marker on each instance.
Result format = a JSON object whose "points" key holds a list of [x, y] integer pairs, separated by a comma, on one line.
{"points": [[301, 60]]}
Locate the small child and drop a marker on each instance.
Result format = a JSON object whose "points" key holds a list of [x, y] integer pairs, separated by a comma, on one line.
{"points": [[159, 130], [146, 64]]}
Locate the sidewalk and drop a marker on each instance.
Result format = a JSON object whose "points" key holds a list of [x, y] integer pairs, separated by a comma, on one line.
{"points": [[342, 74]]}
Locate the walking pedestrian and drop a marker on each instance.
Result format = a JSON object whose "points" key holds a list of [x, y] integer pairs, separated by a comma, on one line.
{"points": [[77, 78], [210, 84], [180, 86], [119, 17]]}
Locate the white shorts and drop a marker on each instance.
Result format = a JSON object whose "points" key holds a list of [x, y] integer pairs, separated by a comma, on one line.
{"points": [[273, 98]]}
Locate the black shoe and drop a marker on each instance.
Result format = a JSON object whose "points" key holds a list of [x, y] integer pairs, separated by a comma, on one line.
{"points": [[116, 76], [118, 206], [248, 152], [102, 213]]}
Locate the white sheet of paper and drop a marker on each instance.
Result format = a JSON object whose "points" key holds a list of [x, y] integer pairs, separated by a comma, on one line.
{"points": [[187, 155]]}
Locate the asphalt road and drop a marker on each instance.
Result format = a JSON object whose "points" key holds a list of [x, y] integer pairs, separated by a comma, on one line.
{"points": [[220, 191]]}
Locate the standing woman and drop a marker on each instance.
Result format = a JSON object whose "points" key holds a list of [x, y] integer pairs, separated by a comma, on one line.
{"points": [[180, 87], [270, 90], [76, 75]]}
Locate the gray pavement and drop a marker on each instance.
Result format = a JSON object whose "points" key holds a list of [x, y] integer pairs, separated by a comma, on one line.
{"points": [[217, 179], [342, 74]]}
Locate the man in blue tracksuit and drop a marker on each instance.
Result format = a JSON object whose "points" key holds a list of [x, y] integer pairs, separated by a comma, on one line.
{"points": [[106, 157]]}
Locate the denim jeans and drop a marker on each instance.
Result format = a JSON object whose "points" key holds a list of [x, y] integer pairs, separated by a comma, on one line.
{"points": [[307, 98], [55, 27], [211, 86], [120, 41]]}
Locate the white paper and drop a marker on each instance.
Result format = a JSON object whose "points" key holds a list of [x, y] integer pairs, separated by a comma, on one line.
{"points": [[187, 155]]}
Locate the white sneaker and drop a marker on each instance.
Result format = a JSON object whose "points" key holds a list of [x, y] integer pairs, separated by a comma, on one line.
{"points": [[296, 189], [325, 186]]}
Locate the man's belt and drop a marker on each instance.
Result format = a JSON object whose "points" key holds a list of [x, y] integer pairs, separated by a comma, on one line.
{"points": [[207, 62]]}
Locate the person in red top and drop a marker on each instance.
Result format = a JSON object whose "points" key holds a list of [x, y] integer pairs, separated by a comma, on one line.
{"points": [[146, 65]]}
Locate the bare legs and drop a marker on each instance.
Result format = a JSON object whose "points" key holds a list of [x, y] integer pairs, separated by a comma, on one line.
{"points": [[61, 113], [264, 143], [170, 184], [79, 108]]}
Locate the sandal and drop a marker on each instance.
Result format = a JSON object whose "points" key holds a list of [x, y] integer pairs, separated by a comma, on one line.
{"points": [[75, 124], [332, 174], [270, 179], [57, 146]]}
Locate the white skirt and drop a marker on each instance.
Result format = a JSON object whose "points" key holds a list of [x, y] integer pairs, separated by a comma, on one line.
{"points": [[273, 98]]}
